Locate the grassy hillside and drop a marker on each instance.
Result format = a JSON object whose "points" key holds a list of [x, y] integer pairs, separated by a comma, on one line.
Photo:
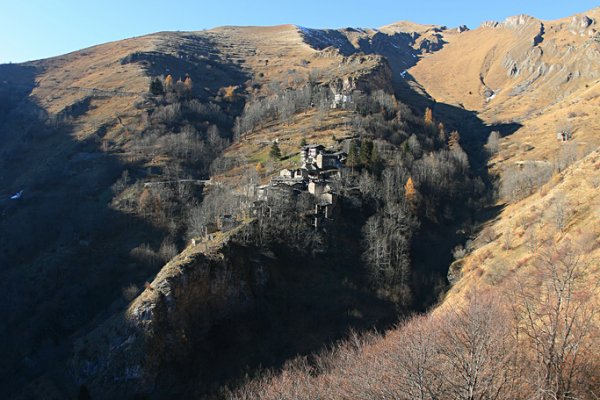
{"points": [[541, 74], [519, 320], [109, 170], [566, 209], [118, 148]]}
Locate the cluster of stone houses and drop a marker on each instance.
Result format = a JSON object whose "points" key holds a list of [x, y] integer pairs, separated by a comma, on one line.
{"points": [[317, 174], [318, 171]]}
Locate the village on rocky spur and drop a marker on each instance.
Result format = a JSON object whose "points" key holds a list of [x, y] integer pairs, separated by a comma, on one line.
{"points": [[319, 168], [316, 176]]}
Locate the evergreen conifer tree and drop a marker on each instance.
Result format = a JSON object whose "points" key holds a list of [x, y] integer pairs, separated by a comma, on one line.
{"points": [[156, 87], [275, 152]]}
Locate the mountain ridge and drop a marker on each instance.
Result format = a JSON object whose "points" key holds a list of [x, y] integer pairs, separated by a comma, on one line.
{"points": [[87, 142]]}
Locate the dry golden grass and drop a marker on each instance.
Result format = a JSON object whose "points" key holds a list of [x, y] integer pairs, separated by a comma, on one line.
{"points": [[566, 94], [526, 226], [455, 73], [312, 126], [275, 54], [68, 79]]}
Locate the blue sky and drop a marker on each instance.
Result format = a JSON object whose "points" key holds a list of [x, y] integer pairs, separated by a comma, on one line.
{"points": [[33, 29]]}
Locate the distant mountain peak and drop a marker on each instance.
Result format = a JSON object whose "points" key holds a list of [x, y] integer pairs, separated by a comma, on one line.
{"points": [[410, 27]]}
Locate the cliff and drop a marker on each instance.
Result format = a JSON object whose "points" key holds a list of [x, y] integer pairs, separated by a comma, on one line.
{"points": [[170, 320]]}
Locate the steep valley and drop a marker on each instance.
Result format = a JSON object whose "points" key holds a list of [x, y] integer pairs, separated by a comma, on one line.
{"points": [[119, 274]]}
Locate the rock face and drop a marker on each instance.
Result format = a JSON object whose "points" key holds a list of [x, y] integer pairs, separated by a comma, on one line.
{"points": [[378, 78], [400, 44], [169, 321], [517, 20], [567, 63], [489, 24], [579, 25], [375, 75], [432, 44], [455, 271]]}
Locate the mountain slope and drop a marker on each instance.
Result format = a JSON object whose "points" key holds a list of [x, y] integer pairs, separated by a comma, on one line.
{"points": [[110, 171], [86, 142], [541, 74]]}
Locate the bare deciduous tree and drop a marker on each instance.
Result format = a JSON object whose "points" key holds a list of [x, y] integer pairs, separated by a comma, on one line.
{"points": [[555, 316], [493, 142], [476, 350], [558, 210], [519, 182]]}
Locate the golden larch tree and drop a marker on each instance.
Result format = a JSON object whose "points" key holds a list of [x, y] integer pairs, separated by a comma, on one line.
{"points": [[229, 92], [168, 83], [428, 117], [145, 202], [410, 193], [260, 168], [188, 84]]}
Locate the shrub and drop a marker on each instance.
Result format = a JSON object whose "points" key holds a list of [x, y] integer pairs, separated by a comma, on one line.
{"points": [[130, 292]]}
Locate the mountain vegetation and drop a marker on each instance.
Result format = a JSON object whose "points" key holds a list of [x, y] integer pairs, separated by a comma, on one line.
{"points": [[165, 230]]}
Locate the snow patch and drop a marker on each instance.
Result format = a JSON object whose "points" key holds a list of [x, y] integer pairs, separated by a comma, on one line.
{"points": [[320, 38]]}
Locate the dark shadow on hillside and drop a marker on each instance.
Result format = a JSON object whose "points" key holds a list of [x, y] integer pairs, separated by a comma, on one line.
{"points": [[321, 39], [64, 252], [432, 266], [16, 82], [308, 303], [195, 56]]}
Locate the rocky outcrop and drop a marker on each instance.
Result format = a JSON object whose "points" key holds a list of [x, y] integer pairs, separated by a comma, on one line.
{"points": [[401, 44], [375, 76], [582, 25], [432, 43], [170, 320], [568, 62], [517, 21], [489, 24], [455, 271]]}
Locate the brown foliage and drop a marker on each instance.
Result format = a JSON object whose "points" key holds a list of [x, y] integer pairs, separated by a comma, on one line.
{"points": [[409, 190], [188, 84], [462, 354], [454, 141], [228, 92], [145, 202], [168, 83], [428, 117], [555, 316], [538, 342]]}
